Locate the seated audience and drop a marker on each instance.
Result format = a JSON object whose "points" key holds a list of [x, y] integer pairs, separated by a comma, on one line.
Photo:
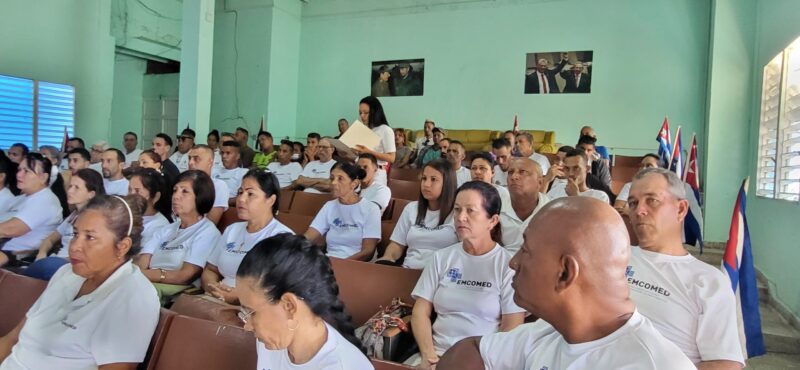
{"points": [[247, 153], [501, 149], [316, 174], [267, 150], [426, 225], [149, 184], [96, 155], [342, 125], [467, 285], [213, 142], [370, 112], [575, 163], [17, 151], [150, 159], [649, 160], [162, 144], [201, 158], [525, 186], [426, 140], [185, 144], [432, 152], [52, 154], [586, 318], [443, 145], [297, 152], [230, 172], [455, 155], [601, 150], [130, 141], [284, 169], [310, 151], [525, 146], [349, 224], [599, 167], [77, 159], [482, 169], [694, 306], [511, 136], [556, 176], [99, 312], [8, 184], [113, 181], [177, 253], [403, 153], [298, 318], [83, 186], [372, 190], [37, 214], [256, 205]]}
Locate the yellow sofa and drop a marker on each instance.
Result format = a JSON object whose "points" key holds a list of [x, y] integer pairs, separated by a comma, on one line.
{"points": [[481, 140]]}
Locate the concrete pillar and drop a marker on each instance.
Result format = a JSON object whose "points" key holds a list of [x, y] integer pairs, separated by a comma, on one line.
{"points": [[196, 60]]}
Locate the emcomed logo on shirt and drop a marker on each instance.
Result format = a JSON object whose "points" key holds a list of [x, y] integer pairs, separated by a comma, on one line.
{"points": [[645, 285], [455, 277], [172, 248], [341, 224]]}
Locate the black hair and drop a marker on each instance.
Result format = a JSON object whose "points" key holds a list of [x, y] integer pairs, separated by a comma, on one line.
{"points": [[9, 168], [287, 263], [436, 129], [25, 149], [576, 153], [79, 140], [152, 154], [31, 159], [232, 143], [287, 142], [491, 204], [189, 132], [448, 196], [166, 138], [154, 182], [118, 220], [264, 132], [214, 133], [244, 130], [92, 179], [81, 152], [509, 132], [586, 139], [351, 170], [204, 147], [268, 183], [120, 155], [486, 157], [565, 149], [131, 133], [456, 142], [202, 187], [501, 143], [376, 116], [652, 155], [313, 135], [370, 157]]}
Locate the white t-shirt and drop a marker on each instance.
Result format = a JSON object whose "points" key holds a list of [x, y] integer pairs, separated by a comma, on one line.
{"points": [[151, 224], [132, 156], [285, 173], [543, 162], [336, 354], [690, 302], [422, 240], [235, 243], [462, 175], [221, 193], [232, 178], [41, 212], [500, 177], [53, 175], [317, 170], [112, 324], [97, 167], [7, 200], [345, 226], [386, 145], [513, 227], [171, 246], [66, 230], [116, 187], [469, 293], [217, 161], [505, 197], [625, 192], [377, 193], [181, 160], [535, 346], [422, 143], [561, 192]]}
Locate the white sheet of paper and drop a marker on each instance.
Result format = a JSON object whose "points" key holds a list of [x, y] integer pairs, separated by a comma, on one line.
{"points": [[360, 134]]}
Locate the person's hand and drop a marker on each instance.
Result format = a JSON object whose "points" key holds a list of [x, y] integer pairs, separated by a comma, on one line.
{"points": [[428, 362], [572, 188], [555, 171], [41, 256], [223, 292], [565, 56], [360, 149]]}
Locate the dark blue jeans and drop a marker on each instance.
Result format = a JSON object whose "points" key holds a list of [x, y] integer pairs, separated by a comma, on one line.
{"points": [[45, 268]]}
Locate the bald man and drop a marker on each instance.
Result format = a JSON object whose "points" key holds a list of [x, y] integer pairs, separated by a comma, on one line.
{"points": [[201, 157], [525, 183], [575, 283]]}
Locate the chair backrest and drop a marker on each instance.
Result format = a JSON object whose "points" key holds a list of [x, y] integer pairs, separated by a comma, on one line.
{"points": [[551, 157], [405, 174], [364, 287], [298, 223], [397, 208], [228, 217], [204, 307], [401, 189], [308, 204], [386, 232], [165, 317], [626, 161], [388, 365], [17, 295], [285, 202], [193, 343]]}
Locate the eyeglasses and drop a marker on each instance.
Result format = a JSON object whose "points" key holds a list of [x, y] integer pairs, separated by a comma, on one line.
{"points": [[324, 147], [244, 314]]}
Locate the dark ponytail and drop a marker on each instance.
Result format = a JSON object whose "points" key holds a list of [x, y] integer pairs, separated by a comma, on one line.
{"points": [[287, 263], [351, 170]]}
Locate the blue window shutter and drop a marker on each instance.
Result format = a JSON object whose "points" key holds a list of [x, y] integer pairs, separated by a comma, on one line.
{"points": [[55, 110], [16, 111]]}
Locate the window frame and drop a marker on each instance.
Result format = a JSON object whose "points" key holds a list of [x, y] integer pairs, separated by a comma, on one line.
{"points": [[35, 124]]}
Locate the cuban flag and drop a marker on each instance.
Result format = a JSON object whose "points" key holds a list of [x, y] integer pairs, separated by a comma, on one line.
{"points": [[693, 224], [676, 158], [260, 130], [64, 141], [664, 144], [515, 130], [737, 264]]}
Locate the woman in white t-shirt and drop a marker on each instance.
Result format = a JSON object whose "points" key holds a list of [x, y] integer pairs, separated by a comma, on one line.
{"points": [[98, 312], [426, 225], [149, 184], [468, 284], [288, 296], [8, 184], [370, 113], [83, 186], [349, 224], [176, 253], [481, 168], [150, 159], [35, 215], [256, 204]]}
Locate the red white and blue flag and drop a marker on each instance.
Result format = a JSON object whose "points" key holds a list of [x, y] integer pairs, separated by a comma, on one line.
{"points": [[693, 224], [515, 130], [676, 158], [737, 264], [64, 141], [664, 144]]}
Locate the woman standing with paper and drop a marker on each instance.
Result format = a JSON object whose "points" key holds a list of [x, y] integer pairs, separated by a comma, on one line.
{"points": [[370, 112]]}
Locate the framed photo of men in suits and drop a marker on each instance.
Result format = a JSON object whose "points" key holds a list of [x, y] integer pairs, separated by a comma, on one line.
{"points": [[558, 72], [398, 77]]}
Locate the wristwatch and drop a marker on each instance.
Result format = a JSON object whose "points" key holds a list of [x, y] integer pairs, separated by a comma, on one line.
{"points": [[162, 276]]}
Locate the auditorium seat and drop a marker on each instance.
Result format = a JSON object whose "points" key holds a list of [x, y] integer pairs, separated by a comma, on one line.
{"points": [[622, 171], [297, 222], [386, 232], [285, 202], [397, 208], [204, 307], [165, 317], [229, 217], [402, 189], [405, 174], [308, 204], [388, 365], [551, 157], [17, 295], [193, 343], [365, 287]]}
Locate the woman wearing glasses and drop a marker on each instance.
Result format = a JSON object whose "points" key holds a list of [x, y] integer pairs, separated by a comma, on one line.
{"points": [[290, 301]]}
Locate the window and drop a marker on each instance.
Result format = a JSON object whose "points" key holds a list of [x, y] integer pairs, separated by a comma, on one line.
{"points": [[35, 112], [778, 162]]}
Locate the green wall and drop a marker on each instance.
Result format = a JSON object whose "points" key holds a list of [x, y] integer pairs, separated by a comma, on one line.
{"points": [[126, 103]]}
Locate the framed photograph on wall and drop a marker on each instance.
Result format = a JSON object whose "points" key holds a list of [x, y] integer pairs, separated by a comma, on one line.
{"points": [[398, 77], [558, 72]]}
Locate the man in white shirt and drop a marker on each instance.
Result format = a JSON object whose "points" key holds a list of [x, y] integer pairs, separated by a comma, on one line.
{"points": [[575, 164], [284, 169], [482, 169], [77, 159], [201, 158], [113, 181], [426, 139], [690, 302], [130, 141], [501, 148], [316, 175], [455, 155], [372, 190], [96, 156], [525, 146], [230, 172], [185, 143], [586, 318], [524, 187]]}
